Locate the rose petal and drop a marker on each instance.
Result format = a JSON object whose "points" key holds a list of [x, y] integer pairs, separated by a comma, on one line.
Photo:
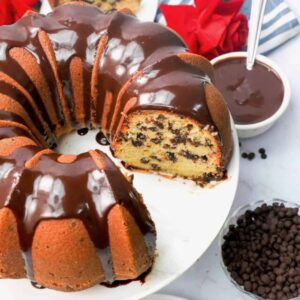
{"points": [[181, 18]]}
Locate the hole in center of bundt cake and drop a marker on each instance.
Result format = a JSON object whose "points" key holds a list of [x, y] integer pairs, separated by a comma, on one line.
{"points": [[81, 141]]}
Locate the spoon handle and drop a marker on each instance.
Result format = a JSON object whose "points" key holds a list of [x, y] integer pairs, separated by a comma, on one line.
{"points": [[255, 23]]}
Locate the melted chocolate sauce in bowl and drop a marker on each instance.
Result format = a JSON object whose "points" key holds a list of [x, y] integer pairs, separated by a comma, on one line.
{"points": [[256, 98]]}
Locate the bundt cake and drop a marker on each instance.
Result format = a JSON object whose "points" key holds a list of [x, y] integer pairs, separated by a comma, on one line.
{"points": [[69, 222]]}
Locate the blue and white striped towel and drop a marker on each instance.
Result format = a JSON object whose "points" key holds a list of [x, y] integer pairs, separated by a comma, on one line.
{"points": [[279, 25]]}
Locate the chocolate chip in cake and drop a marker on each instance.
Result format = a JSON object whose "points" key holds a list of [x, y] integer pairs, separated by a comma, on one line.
{"points": [[155, 157], [159, 124], [152, 128], [171, 156], [155, 167], [179, 139], [208, 177], [190, 127], [141, 136], [204, 158], [156, 140], [208, 143], [145, 160], [189, 155], [176, 131], [194, 142], [136, 143]]}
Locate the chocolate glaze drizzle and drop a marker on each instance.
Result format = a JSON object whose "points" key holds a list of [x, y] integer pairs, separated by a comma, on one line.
{"points": [[83, 131], [48, 187], [140, 56], [101, 139], [37, 285]]}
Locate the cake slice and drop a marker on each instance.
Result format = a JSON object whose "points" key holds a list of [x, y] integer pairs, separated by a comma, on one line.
{"points": [[170, 130]]}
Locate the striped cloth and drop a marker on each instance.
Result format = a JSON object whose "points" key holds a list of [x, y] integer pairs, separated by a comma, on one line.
{"points": [[279, 24]]}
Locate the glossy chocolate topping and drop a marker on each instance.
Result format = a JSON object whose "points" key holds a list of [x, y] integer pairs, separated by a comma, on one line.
{"points": [[170, 84], [252, 96], [83, 131], [131, 47], [140, 56], [48, 192]]}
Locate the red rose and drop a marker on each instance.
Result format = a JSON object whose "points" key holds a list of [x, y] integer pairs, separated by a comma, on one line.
{"points": [[211, 27], [235, 37], [12, 10]]}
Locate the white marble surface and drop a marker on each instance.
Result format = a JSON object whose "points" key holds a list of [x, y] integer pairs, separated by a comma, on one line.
{"points": [[276, 177]]}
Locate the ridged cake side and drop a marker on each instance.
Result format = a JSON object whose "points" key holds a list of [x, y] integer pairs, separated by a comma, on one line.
{"points": [[104, 226]]}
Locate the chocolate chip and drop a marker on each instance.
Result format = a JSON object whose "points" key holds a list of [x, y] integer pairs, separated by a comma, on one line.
{"points": [[264, 156], [137, 143], [251, 155], [244, 155], [179, 139], [155, 157], [155, 167], [171, 156], [189, 155], [154, 129], [145, 160], [159, 124], [261, 150], [156, 140], [189, 127], [141, 136]]}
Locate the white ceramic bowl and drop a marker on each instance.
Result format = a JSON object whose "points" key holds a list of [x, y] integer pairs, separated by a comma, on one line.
{"points": [[251, 130], [232, 220]]}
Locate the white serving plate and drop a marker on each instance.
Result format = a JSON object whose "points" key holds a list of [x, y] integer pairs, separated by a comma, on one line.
{"points": [[187, 219], [147, 11]]}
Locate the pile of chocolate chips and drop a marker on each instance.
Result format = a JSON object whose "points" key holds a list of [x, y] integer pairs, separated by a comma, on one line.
{"points": [[262, 252]]}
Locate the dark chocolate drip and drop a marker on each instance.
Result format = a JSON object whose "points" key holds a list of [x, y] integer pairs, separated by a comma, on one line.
{"points": [[12, 131], [101, 139], [37, 285], [24, 34], [142, 279], [83, 131], [172, 85], [252, 96], [143, 50], [48, 193], [78, 35], [132, 45], [14, 94], [9, 116]]}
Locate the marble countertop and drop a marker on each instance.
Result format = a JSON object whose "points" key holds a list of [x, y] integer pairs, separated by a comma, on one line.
{"points": [[275, 177]]}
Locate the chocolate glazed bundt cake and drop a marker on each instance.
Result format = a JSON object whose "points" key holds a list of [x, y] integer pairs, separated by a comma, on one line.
{"points": [[69, 222]]}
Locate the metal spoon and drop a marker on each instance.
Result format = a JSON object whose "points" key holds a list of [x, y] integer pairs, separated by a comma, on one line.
{"points": [[255, 23]]}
